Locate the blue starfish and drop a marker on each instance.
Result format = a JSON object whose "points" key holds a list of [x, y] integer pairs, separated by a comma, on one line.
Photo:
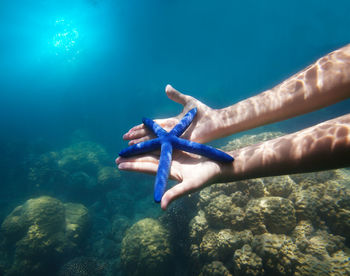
{"points": [[166, 141]]}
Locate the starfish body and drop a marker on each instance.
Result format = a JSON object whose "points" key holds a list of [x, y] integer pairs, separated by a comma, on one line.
{"points": [[167, 141]]}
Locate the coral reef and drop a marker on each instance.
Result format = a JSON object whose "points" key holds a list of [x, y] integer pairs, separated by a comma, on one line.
{"points": [[270, 214], [215, 268], [198, 226], [77, 221], [280, 185], [79, 171], [221, 212], [251, 139], [146, 249], [40, 233], [222, 244], [83, 156], [107, 177], [278, 251], [119, 225], [286, 225], [246, 262], [44, 172], [87, 164], [83, 266]]}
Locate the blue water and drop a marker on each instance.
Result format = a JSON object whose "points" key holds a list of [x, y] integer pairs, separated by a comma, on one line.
{"points": [[126, 52], [99, 66]]}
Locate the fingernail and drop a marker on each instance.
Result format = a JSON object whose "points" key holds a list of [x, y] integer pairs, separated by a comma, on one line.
{"points": [[168, 87]]}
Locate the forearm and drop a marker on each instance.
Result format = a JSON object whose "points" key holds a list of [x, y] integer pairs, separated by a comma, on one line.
{"points": [[323, 83], [324, 146]]}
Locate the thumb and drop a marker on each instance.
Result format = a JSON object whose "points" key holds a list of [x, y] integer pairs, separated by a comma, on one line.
{"points": [[175, 95], [175, 192]]}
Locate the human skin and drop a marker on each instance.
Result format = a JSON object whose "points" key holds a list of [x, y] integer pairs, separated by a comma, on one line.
{"points": [[167, 141], [324, 146], [320, 147], [323, 83]]}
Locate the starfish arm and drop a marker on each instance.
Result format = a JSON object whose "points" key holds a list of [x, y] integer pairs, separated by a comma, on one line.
{"points": [[184, 123], [203, 150], [140, 148], [154, 127], [163, 171]]}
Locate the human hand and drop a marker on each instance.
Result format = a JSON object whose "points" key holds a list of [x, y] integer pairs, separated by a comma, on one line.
{"points": [[204, 127], [191, 171]]}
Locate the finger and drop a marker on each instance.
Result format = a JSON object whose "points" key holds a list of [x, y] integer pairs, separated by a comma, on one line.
{"points": [[140, 131], [135, 132], [175, 95], [145, 158], [117, 161], [175, 192], [140, 126], [135, 141], [137, 135], [139, 166]]}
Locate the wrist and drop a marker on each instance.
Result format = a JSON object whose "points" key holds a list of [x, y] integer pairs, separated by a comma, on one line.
{"points": [[223, 121], [228, 171], [210, 126]]}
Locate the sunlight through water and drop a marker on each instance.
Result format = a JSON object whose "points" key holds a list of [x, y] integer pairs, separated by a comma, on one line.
{"points": [[66, 40]]}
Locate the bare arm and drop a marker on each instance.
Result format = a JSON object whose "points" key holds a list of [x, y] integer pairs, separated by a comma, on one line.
{"points": [[324, 146], [320, 147], [323, 83]]}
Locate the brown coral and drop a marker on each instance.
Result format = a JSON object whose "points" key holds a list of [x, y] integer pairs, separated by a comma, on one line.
{"points": [[146, 249], [221, 212], [40, 232], [271, 214]]}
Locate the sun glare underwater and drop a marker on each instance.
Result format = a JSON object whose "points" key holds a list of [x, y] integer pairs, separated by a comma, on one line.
{"points": [[76, 75], [66, 40]]}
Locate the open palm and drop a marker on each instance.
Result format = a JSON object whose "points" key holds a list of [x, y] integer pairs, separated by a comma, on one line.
{"points": [[191, 171], [203, 128]]}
